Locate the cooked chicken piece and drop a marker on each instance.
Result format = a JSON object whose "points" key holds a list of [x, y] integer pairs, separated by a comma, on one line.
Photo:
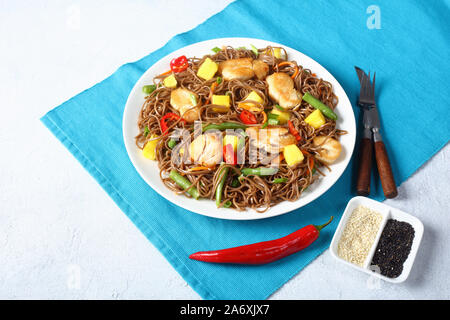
{"points": [[206, 150], [182, 100], [243, 69], [273, 140], [260, 68], [281, 89], [330, 149]]}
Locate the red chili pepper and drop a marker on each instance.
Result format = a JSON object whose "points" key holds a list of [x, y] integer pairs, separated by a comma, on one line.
{"points": [[247, 117], [179, 64], [294, 131], [264, 252], [169, 116], [229, 156]]}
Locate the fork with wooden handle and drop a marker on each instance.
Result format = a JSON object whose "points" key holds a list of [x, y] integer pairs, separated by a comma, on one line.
{"points": [[371, 136]]}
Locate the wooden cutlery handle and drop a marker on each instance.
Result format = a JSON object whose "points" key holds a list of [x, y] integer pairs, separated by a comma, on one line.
{"points": [[365, 164], [385, 171]]}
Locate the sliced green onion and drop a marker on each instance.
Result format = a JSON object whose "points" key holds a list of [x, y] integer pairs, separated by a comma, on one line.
{"points": [[193, 99], [235, 183], [280, 180], [148, 88], [219, 80], [254, 49], [172, 143], [313, 170], [216, 49], [146, 131], [273, 122], [227, 204], [280, 107]]}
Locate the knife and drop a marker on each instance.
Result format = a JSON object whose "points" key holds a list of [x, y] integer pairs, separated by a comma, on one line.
{"points": [[372, 139]]}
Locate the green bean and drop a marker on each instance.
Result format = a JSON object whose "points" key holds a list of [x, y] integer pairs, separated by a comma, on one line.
{"points": [[260, 171], [219, 189], [224, 126], [280, 180], [184, 183], [316, 103]]}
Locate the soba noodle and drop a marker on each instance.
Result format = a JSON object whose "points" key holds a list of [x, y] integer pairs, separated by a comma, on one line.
{"points": [[257, 192]]}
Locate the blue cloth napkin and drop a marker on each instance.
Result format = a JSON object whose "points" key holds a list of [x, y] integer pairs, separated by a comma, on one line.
{"points": [[406, 42]]}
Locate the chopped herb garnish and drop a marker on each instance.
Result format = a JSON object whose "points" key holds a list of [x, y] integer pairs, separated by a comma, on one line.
{"points": [[219, 80], [216, 49], [146, 131]]}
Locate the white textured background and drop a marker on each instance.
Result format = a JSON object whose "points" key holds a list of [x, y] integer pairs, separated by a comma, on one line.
{"points": [[51, 245]]}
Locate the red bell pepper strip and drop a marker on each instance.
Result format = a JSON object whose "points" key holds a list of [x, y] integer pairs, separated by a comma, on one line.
{"points": [[179, 64], [294, 131], [229, 156], [247, 117], [264, 252], [169, 116]]}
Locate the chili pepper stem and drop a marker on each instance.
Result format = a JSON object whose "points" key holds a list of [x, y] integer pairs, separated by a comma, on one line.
{"points": [[325, 224]]}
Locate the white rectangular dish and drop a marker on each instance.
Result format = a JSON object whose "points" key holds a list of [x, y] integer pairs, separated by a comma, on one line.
{"points": [[387, 213]]}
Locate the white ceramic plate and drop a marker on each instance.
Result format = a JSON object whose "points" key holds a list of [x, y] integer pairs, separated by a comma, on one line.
{"points": [[149, 169]]}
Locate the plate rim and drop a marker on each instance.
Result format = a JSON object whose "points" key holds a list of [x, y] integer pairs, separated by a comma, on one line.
{"points": [[223, 213]]}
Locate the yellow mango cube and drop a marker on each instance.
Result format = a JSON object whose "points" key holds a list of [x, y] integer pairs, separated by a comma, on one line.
{"points": [[149, 150], [292, 155], [221, 100], [255, 97], [233, 140], [170, 81], [208, 69], [283, 116], [276, 52], [316, 119]]}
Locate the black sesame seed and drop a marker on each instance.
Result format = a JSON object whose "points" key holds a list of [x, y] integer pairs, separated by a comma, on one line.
{"points": [[393, 248]]}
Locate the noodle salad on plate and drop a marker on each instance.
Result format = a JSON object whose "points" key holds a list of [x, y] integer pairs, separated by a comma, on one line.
{"points": [[245, 127]]}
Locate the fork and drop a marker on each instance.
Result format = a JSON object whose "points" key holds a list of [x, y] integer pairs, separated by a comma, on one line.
{"points": [[371, 135]]}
